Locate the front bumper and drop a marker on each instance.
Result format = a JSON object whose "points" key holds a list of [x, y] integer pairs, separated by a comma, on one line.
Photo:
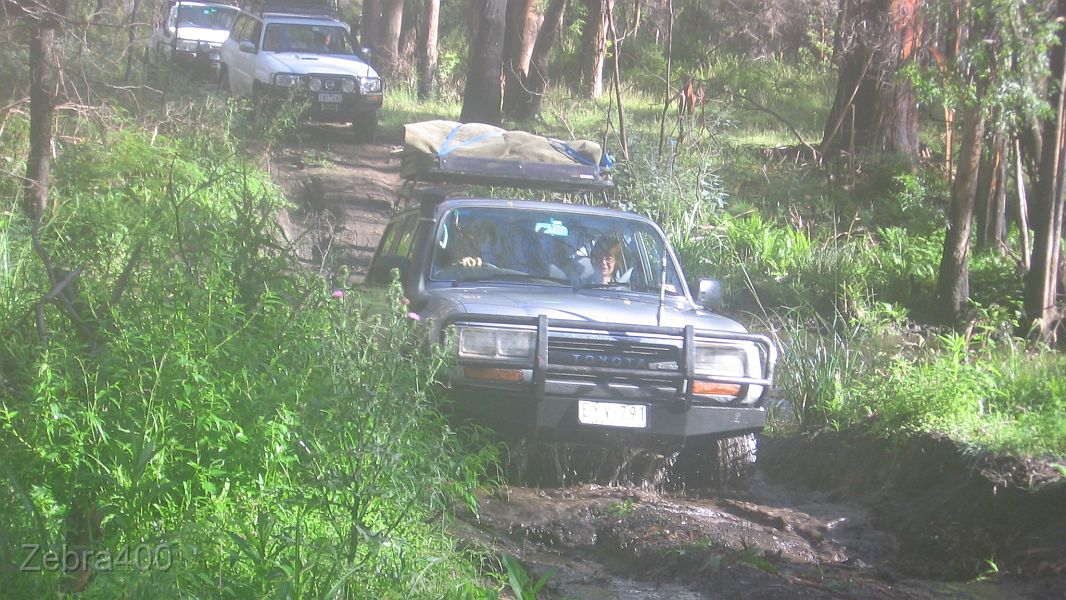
{"points": [[351, 107], [672, 423], [543, 402], [206, 61]]}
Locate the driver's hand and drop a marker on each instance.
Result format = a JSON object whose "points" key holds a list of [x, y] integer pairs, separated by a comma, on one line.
{"points": [[469, 261]]}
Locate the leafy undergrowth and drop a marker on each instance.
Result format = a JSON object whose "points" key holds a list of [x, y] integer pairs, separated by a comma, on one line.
{"points": [[194, 416]]}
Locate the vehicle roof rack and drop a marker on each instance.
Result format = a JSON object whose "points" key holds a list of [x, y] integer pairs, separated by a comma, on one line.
{"points": [[295, 7]]}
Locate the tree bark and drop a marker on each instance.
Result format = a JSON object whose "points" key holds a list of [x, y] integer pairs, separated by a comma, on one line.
{"points": [[369, 25], [427, 62], [992, 195], [132, 29], [594, 47], [874, 40], [527, 104], [409, 35], [1042, 279], [42, 107], [953, 283], [483, 94], [518, 44], [388, 49]]}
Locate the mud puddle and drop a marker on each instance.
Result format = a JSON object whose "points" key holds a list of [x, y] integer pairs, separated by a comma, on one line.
{"points": [[762, 540]]}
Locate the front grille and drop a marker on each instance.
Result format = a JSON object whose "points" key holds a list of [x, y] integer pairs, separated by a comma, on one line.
{"points": [[612, 353]]}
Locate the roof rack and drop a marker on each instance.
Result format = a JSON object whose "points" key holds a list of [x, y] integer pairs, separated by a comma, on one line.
{"points": [[296, 7]]}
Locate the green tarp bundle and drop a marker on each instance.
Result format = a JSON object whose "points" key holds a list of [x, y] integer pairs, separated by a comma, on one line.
{"points": [[426, 142]]}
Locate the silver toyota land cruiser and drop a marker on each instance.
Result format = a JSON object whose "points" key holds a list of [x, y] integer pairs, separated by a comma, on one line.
{"points": [[571, 322]]}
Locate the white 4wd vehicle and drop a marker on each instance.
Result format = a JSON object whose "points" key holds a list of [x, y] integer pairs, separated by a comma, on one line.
{"points": [[300, 52], [191, 33]]}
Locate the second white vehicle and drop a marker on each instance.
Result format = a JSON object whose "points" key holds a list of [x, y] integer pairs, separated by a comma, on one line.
{"points": [[304, 54], [191, 34]]}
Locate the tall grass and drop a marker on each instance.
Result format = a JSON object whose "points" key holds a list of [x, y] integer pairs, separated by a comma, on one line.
{"points": [[212, 399]]}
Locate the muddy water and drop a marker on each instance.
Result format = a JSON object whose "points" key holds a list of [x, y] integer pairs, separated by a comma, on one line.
{"points": [[761, 540]]}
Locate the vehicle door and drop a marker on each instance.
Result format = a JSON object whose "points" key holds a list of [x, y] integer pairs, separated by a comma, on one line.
{"points": [[244, 58]]}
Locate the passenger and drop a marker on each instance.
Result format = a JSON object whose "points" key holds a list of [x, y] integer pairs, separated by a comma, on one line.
{"points": [[606, 260]]}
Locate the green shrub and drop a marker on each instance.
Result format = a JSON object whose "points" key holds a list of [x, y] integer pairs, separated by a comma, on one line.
{"points": [[212, 399]]}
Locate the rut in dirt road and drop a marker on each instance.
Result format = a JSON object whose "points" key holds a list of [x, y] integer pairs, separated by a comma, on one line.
{"points": [[344, 194]]}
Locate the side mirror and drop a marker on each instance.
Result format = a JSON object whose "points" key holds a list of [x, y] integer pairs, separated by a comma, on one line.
{"points": [[247, 46], [709, 294], [381, 270]]}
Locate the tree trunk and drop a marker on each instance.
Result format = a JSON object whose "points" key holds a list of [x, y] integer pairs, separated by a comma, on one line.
{"points": [[369, 26], [388, 49], [953, 283], [409, 34], [427, 62], [131, 26], [874, 40], [1042, 279], [42, 107], [527, 104], [992, 195], [518, 44], [483, 93], [594, 47]]}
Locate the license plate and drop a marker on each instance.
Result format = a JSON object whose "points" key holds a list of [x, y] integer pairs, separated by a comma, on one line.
{"points": [[612, 414], [334, 98]]}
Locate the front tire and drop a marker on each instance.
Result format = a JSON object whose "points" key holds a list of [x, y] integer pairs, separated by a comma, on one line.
{"points": [[365, 127], [716, 463]]}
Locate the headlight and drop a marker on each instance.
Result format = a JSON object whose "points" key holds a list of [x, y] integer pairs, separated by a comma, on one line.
{"points": [[348, 86], [314, 84], [369, 85], [730, 361], [483, 342], [286, 80], [187, 45]]}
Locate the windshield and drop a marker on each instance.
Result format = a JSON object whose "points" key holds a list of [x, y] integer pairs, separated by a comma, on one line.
{"points": [[207, 17], [317, 39], [551, 248]]}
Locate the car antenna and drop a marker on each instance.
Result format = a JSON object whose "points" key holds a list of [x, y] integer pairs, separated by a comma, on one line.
{"points": [[662, 293]]}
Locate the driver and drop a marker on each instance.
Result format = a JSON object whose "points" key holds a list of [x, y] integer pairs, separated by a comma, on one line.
{"points": [[322, 41]]}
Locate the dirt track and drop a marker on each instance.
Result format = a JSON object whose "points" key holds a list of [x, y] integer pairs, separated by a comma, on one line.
{"points": [[767, 539]]}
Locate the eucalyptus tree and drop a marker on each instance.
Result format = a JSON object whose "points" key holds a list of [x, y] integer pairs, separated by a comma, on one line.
{"points": [[1044, 277], [874, 109], [429, 53], [996, 80], [525, 97], [483, 94], [594, 46], [521, 31]]}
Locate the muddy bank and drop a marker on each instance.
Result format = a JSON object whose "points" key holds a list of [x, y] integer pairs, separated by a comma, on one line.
{"points": [[764, 540], [951, 511]]}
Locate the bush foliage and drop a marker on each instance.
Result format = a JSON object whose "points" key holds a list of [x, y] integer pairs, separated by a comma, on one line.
{"points": [[201, 394]]}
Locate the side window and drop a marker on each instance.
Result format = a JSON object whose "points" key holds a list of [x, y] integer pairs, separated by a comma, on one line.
{"points": [[256, 33], [405, 239], [238, 27]]}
